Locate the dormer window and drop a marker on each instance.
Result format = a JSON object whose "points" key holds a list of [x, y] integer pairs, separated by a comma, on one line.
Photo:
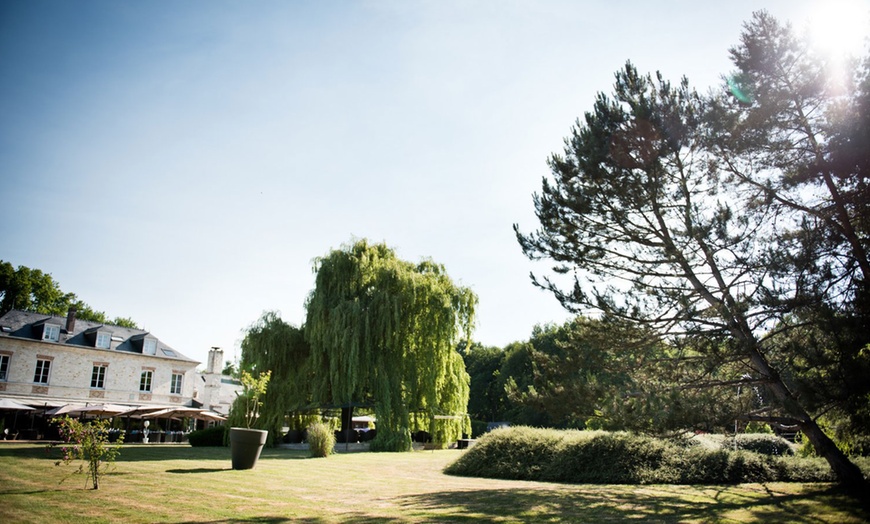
{"points": [[51, 333], [104, 340], [149, 346]]}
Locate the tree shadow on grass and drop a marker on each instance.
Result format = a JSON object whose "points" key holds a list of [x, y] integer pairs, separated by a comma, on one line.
{"points": [[643, 505], [13, 491], [344, 518]]}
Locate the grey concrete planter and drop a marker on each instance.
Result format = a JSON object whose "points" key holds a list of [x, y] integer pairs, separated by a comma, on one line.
{"points": [[245, 446]]}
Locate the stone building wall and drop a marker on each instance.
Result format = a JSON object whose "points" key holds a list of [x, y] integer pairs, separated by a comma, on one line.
{"points": [[72, 367]]}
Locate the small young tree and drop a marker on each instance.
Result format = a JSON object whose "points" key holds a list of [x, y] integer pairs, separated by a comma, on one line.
{"points": [[254, 388], [88, 442]]}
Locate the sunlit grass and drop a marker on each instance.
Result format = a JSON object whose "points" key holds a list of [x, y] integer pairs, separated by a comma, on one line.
{"points": [[183, 484]]}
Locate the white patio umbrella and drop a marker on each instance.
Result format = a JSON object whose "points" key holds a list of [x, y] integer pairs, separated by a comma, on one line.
{"points": [[96, 410], [104, 410], [210, 415], [12, 405], [141, 411], [66, 409], [173, 412]]}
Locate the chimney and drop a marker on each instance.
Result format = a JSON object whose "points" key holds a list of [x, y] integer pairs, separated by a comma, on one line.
{"points": [[215, 360], [71, 320]]}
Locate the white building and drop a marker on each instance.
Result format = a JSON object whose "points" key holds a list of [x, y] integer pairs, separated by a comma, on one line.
{"points": [[51, 361]]}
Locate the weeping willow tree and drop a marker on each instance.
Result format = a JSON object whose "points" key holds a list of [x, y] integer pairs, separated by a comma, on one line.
{"points": [[383, 332], [272, 344]]}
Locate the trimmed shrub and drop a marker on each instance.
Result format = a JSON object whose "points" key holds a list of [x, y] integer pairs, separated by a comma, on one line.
{"points": [[321, 439], [213, 436], [523, 453], [760, 443]]}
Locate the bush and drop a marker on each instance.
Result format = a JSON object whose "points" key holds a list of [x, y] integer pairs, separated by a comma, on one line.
{"points": [[760, 443], [321, 439], [523, 453], [213, 436]]}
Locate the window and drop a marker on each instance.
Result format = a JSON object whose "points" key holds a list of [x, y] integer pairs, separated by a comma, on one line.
{"points": [[42, 370], [4, 367], [175, 385], [145, 381], [51, 332], [98, 377], [103, 340], [150, 346]]}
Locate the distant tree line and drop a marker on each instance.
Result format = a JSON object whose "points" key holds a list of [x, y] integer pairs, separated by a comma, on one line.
{"points": [[33, 290]]}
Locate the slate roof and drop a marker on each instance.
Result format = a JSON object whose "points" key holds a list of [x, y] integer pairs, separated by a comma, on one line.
{"points": [[26, 324]]}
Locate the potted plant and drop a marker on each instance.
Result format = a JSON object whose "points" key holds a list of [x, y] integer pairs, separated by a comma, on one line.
{"points": [[246, 443]]}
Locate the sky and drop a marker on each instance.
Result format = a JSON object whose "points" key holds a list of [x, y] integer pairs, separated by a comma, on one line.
{"points": [[184, 163]]}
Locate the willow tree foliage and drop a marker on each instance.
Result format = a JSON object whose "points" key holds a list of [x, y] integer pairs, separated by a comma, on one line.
{"points": [[271, 344], [383, 332], [650, 221]]}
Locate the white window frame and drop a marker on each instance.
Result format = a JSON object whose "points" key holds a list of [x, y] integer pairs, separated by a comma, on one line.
{"points": [[42, 373], [4, 367], [146, 380], [51, 332], [149, 346], [104, 340], [176, 384], [98, 376]]}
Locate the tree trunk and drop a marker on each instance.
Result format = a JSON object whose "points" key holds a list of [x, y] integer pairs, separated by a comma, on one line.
{"points": [[848, 474], [346, 422]]}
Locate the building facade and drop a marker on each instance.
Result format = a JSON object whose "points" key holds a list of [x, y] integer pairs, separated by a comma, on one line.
{"points": [[51, 361]]}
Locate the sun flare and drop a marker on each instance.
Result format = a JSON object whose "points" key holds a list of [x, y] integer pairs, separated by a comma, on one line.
{"points": [[840, 28]]}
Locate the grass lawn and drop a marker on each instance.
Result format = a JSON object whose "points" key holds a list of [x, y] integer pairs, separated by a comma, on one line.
{"points": [[177, 483]]}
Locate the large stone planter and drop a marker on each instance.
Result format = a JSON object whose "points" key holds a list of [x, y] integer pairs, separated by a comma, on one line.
{"points": [[245, 446]]}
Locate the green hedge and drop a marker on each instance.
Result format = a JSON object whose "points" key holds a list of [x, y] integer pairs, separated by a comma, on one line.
{"points": [[213, 436], [761, 443], [598, 457]]}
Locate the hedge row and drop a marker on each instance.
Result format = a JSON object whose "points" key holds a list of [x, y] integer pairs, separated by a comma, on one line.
{"points": [[598, 457], [213, 436]]}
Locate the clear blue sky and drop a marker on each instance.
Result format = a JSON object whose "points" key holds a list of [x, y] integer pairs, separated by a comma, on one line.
{"points": [[182, 163]]}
